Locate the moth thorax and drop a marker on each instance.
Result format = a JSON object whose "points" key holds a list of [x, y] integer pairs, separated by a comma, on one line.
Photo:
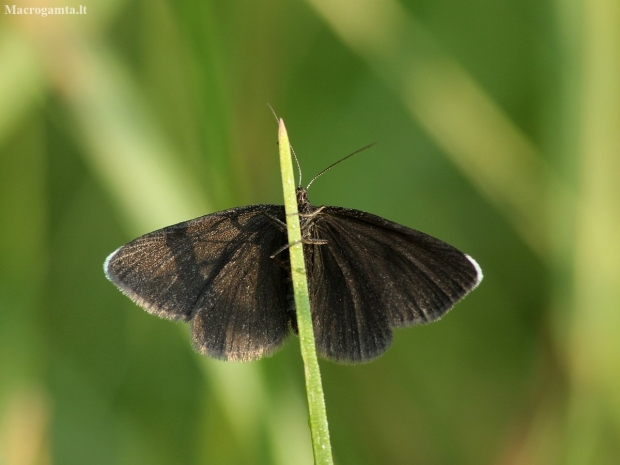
{"points": [[302, 201]]}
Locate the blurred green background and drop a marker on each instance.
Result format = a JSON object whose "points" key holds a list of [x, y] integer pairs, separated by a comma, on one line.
{"points": [[498, 125]]}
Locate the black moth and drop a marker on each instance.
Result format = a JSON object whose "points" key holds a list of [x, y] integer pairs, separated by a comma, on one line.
{"points": [[228, 273]]}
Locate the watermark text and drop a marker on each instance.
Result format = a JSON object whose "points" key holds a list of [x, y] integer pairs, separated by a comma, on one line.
{"points": [[44, 11]]}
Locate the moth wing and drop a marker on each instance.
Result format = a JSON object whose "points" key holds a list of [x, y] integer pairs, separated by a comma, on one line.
{"points": [[217, 272], [373, 275]]}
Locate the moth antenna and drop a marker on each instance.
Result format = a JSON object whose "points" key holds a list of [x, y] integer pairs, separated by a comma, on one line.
{"points": [[292, 149], [298, 165], [274, 113], [339, 161]]}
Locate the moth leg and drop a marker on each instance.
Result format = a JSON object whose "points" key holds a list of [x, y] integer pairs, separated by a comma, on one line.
{"points": [[314, 213], [281, 225], [278, 223], [308, 218], [308, 215], [313, 241], [303, 241]]}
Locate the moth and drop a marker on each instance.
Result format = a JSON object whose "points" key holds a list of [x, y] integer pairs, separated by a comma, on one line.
{"points": [[228, 274]]}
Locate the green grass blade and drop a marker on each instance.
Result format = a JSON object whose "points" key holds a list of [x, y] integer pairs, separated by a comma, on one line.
{"points": [[316, 401]]}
